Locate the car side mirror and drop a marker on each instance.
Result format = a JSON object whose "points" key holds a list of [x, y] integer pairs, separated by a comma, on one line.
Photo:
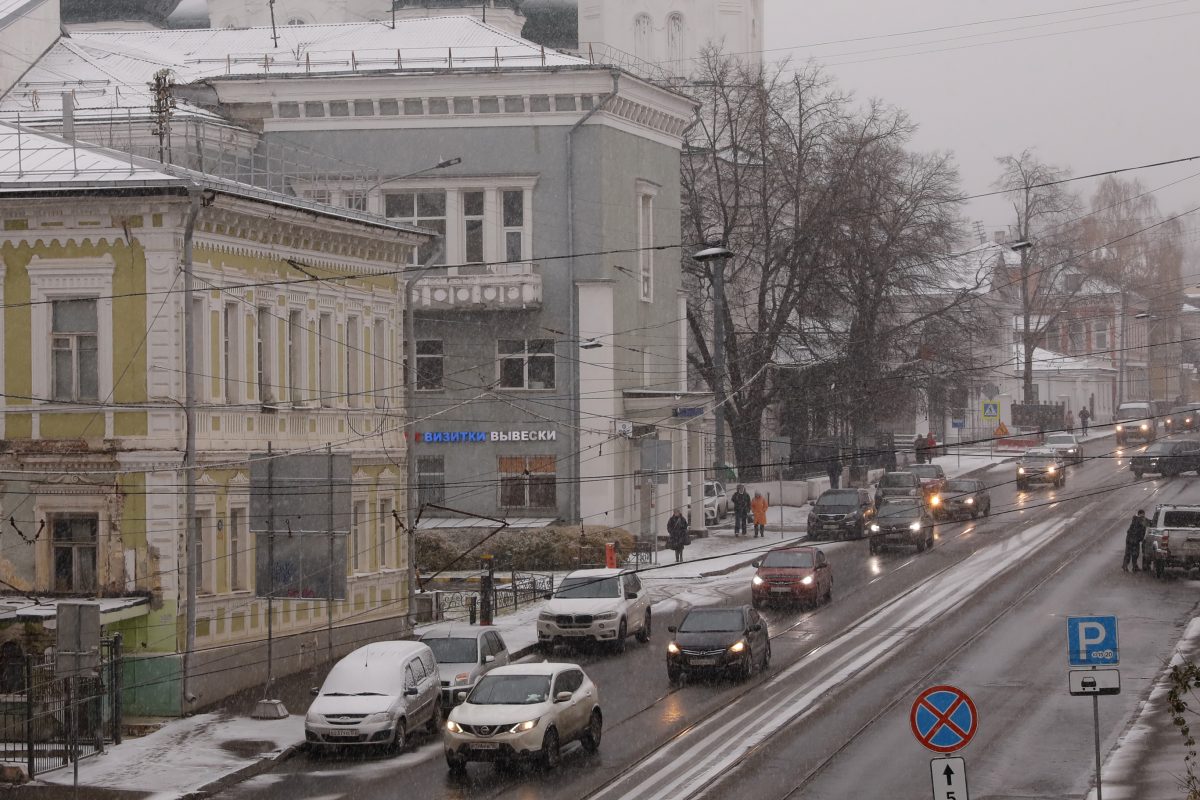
{"points": [[756, 627], [756, 564], [411, 691], [562, 697], [631, 595], [314, 691], [671, 629], [488, 659], [461, 697]]}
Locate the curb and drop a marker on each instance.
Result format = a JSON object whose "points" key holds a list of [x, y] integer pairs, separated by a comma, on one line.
{"points": [[262, 765]]}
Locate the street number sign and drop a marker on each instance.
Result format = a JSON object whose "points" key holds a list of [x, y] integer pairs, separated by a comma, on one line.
{"points": [[1092, 642], [943, 719], [1086, 682], [949, 776]]}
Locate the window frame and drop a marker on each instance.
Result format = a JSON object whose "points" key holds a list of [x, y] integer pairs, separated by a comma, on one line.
{"points": [[74, 351], [435, 487], [231, 355], [647, 194], [424, 364], [526, 356], [69, 279], [94, 546], [526, 479]]}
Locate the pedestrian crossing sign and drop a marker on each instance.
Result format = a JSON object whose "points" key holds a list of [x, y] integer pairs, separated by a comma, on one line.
{"points": [[991, 410]]}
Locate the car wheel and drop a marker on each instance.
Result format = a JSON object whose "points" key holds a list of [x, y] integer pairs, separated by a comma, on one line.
{"points": [[674, 676], [434, 726], [456, 763], [398, 738], [874, 548], [622, 632], [1137, 474], [551, 754], [595, 729], [828, 596], [921, 545], [987, 512], [748, 666], [1022, 486], [974, 514], [643, 635]]}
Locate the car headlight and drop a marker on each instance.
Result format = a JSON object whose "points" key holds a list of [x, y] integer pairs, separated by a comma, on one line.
{"points": [[916, 526], [970, 501], [874, 527], [1145, 427], [527, 725], [1050, 469], [757, 581], [452, 726], [546, 616], [462, 678], [1120, 427], [807, 580], [606, 615], [935, 500], [1020, 470], [374, 719], [672, 648], [737, 647]]}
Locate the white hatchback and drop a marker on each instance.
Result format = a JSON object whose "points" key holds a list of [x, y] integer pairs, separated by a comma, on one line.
{"points": [[524, 712]]}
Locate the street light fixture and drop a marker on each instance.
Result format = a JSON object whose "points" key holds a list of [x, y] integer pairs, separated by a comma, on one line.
{"points": [[718, 254]]}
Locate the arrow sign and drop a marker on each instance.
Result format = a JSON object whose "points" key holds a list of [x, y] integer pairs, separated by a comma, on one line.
{"points": [[949, 777]]}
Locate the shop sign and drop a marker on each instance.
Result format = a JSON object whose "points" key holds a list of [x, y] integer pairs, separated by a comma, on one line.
{"points": [[478, 437]]}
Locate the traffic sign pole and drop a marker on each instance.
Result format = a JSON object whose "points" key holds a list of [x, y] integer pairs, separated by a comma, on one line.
{"points": [[1096, 719], [1092, 642]]}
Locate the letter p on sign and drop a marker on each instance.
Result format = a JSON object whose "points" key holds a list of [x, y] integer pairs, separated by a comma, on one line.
{"points": [[1092, 641]]}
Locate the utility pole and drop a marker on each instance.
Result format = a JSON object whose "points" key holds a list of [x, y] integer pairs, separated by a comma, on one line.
{"points": [[275, 33], [718, 255], [1121, 329], [189, 450]]}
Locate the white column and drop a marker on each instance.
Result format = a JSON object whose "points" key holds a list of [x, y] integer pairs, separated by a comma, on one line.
{"points": [[695, 462], [599, 405]]}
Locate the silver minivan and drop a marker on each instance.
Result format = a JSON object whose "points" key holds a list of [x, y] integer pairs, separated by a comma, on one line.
{"points": [[464, 654], [376, 696]]}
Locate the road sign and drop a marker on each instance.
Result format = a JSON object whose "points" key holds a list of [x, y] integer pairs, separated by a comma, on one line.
{"points": [[1092, 642], [958, 423], [943, 719], [1087, 682], [991, 410], [1001, 430], [949, 778]]}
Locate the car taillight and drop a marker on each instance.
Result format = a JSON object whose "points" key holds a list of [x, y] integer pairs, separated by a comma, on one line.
{"points": [[1164, 540]]}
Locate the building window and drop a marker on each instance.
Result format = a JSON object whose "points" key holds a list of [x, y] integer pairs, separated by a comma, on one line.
{"points": [[74, 538], [431, 480], [675, 43], [325, 360], [473, 227], [356, 201], [526, 364], [357, 516], [513, 211], [205, 553], [425, 208], [233, 371], [353, 360], [295, 354], [646, 245], [385, 530], [1100, 336], [237, 541], [1075, 335], [527, 482], [364, 108], [379, 359], [642, 30], [431, 365], [266, 373], [75, 344]]}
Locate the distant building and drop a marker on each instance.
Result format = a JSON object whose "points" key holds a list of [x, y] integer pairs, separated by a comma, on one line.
{"points": [[503, 14]]}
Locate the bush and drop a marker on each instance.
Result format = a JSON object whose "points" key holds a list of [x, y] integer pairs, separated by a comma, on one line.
{"points": [[531, 550]]}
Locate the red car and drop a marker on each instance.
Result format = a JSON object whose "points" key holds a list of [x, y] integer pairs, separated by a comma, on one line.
{"points": [[933, 485], [792, 574]]}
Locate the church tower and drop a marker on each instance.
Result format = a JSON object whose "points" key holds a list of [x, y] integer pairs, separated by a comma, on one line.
{"points": [[673, 33]]}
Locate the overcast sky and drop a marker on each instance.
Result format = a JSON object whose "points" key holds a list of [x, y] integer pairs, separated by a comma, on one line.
{"points": [[1087, 97]]}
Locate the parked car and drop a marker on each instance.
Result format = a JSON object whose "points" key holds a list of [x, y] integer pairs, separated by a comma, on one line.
{"points": [[718, 641], [1182, 418], [601, 605], [841, 513], [464, 655], [376, 696], [1167, 458], [524, 712], [1135, 422], [933, 481], [966, 497], [897, 484], [792, 574], [1068, 447], [1040, 465], [902, 521], [1172, 538], [716, 502]]}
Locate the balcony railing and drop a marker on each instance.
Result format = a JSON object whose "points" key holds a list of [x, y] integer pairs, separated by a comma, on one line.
{"points": [[495, 287]]}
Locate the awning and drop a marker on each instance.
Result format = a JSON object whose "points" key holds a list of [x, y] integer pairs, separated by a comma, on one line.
{"points": [[430, 523], [112, 609]]}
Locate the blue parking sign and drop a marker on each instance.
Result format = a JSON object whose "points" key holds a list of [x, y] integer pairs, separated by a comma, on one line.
{"points": [[1092, 641]]}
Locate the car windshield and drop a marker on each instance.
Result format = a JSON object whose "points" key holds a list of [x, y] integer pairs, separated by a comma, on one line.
{"points": [[1037, 461], [585, 587], [893, 480], [1133, 412], [960, 486], [457, 650], [711, 620], [837, 502], [926, 470], [510, 690], [793, 559], [897, 508], [1060, 438]]}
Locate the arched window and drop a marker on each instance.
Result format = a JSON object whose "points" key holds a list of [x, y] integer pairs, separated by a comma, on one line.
{"points": [[642, 46], [676, 50]]}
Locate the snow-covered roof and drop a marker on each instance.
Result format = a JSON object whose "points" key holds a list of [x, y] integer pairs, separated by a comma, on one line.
{"points": [[112, 609], [11, 9], [1049, 361], [110, 71]]}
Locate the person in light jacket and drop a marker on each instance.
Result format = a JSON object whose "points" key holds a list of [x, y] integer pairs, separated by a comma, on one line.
{"points": [[677, 534], [759, 506]]}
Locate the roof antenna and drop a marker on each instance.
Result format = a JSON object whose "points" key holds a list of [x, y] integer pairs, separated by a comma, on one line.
{"points": [[274, 33]]}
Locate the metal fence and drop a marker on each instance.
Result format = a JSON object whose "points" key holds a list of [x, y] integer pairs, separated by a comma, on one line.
{"points": [[523, 588], [53, 717]]}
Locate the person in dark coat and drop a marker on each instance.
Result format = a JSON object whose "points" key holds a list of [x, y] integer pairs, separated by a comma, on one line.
{"points": [[741, 510], [677, 534], [919, 448], [1133, 541], [833, 467], [1085, 417]]}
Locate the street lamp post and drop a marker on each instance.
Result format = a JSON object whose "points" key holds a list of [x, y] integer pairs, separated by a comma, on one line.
{"points": [[718, 255]]}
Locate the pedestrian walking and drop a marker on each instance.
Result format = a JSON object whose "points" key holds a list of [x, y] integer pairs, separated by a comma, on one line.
{"points": [[833, 467], [1069, 421], [919, 448], [931, 446], [1133, 541], [677, 534], [759, 506], [741, 510], [1085, 417]]}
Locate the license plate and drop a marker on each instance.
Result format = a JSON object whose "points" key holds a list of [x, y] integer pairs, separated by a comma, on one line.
{"points": [[703, 662], [486, 746], [336, 732], [780, 590]]}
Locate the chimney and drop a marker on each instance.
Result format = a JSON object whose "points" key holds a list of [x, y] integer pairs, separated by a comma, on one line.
{"points": [[68, 116]]}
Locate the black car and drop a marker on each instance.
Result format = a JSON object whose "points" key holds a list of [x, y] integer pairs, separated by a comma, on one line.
{"points": [[903, 521], [718, 641], [897, 484], [1167, 458], [966, 497], [841, 513], [1041, 465]]}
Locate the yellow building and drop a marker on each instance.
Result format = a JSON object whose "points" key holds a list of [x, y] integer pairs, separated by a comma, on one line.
{"points": [[297, 309]]}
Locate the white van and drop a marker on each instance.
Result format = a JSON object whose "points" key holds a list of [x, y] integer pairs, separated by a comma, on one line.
{"points": [[375, 696]]}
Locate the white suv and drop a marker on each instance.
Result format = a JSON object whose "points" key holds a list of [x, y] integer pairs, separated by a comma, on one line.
{"points": [[604, 605]]}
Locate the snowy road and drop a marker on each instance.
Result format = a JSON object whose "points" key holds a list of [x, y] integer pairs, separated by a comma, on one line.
{"points": [[983, 610]]}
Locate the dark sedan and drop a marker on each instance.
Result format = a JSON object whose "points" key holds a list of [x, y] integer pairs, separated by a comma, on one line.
{"points": [[841, 513], [897, 484], [1041, 465], [718, 641], [966, 497], [1181, 419], [902, 521], [1167, 458]]}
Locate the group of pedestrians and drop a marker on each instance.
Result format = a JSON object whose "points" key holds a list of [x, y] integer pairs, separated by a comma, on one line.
{"points": [[925, 447], [1133, 541], [744, 507]]}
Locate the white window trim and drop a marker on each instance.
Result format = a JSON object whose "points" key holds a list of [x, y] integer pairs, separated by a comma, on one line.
{"points": [[67, 279], [244, 558], [645, 189]]}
